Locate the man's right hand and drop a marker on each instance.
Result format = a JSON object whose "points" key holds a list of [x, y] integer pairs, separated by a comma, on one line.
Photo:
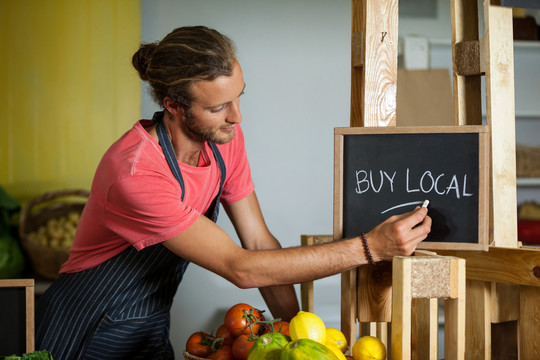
{"points": [[399, 235]]}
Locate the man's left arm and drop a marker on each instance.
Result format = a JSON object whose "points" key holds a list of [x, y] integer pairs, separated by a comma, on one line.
{"points": [[247, 218]]}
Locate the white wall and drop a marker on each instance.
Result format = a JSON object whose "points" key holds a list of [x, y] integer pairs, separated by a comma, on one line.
{"points": [[296, 61]]}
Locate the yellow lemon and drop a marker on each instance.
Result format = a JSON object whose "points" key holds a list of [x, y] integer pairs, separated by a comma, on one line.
{"points": [[336, 338], [339, 354], [368, 348], [306, 325]]}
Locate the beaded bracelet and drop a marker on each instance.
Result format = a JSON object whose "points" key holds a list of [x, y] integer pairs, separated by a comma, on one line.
{"points": [[366, 248]]}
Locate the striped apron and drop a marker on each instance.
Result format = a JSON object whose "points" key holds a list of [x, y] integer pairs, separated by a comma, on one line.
{"points": [[119, 309]]}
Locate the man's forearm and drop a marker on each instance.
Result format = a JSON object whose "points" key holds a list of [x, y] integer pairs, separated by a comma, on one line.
{"points": [[281, 300]]}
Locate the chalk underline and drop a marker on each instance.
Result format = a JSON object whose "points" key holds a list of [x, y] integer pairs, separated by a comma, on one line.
{"points": [[402, 205]]}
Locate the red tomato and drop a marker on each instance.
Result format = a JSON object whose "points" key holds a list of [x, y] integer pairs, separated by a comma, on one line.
{"points": [[198, 344], [225, 353], [225, 334], [241, 346], [281, 327], [240, 317]]}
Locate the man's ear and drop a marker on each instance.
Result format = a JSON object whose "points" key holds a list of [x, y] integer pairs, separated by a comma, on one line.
{"points": [[173, 107]]}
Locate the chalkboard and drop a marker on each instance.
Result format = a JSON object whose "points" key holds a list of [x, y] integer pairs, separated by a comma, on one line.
{"points": [[380, 172], [16, 316], [13, 315]]}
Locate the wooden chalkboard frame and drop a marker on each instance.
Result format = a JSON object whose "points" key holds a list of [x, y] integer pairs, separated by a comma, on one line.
{"points": [[483, 176]]}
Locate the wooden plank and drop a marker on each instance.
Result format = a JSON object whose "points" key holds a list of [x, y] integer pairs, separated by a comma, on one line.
{"points": [[358, 25], [348, 305], [401, 308], [425, 344], [529, 323], [30, 330], [478, 320], [500, 114], [16, 282], [504, 302], [511, 266], [455, 311], [467, 94], [374, 85], [306, 288], [357, 49], [481, 129], [306, 295], [382, 332], [374, 293], [348, 278]]}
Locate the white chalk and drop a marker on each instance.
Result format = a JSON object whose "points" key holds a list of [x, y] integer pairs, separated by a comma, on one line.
{"points": [[425, 204]]}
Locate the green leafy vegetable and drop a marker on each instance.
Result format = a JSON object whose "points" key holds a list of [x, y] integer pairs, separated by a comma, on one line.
{"points": [[36, 355]]}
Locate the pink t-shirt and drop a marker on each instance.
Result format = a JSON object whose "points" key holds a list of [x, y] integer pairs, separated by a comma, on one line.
{"points": [[135, 199]]}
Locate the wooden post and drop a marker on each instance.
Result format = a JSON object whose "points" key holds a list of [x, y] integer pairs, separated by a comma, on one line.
{"points": [[374, 62], [500, 114], [529, 323], [401, 309], [467, 94], [374, 52], [425, 329]]}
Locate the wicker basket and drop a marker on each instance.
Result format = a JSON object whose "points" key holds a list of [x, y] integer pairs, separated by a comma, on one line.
{"points": [[527, 161], [45, 260], [188, 356]]}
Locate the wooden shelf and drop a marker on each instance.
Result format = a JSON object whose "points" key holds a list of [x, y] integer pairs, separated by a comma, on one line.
{"points": [[528, 182], [518, 44]]}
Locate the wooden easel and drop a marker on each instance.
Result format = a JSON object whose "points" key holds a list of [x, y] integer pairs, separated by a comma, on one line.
{"points": [[503, 284]]}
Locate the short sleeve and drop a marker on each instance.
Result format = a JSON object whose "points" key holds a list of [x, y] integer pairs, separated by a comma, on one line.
{"points": [[146, 210]]}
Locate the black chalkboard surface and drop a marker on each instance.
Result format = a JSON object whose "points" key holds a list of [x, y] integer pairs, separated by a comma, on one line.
{"points": [[13, 315], [382, 172]]}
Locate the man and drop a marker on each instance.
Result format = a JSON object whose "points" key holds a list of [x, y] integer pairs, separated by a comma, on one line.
{"points": [[152, 210]]}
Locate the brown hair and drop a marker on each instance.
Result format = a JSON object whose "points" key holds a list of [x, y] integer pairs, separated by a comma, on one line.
{"points": [[184, 56]]}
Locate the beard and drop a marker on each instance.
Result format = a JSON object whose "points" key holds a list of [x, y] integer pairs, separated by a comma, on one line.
{"points": [[207, 133]]}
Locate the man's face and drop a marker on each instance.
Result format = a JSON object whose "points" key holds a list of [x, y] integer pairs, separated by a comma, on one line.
{"points": [[215, 109]]}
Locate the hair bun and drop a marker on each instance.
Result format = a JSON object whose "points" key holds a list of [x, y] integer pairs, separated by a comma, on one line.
{"points": [[141, 59]]}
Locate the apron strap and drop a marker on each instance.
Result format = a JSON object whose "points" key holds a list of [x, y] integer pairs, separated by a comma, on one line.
{"points": [[222, 169], [168, 151]]}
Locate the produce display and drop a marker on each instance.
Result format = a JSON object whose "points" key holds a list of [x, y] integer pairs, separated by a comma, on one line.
{"points": [[245, 334], [57, 233]]}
